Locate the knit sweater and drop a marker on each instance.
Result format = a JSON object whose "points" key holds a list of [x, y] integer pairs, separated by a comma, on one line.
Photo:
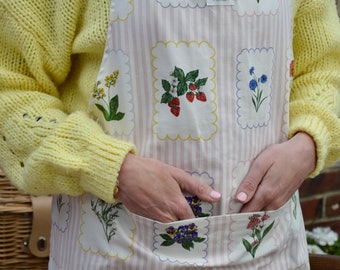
{"points": [[50, 54]]}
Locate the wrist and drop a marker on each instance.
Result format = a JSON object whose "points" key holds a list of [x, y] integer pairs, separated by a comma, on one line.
{"points": [[307, 147]]}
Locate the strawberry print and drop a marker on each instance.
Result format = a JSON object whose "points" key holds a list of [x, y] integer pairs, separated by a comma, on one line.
{"points": [[201, 97], [183, 84], [175, 111], [174, 102], [174, 106], [192, 87], [190, 96]]}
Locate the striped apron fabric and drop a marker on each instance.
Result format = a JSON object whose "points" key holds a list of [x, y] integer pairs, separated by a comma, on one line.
{"points": [[202, 85]]}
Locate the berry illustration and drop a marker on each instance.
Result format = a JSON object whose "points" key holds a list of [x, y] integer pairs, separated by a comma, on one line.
{"points": [[175, 111], [192, 87], [190, 96], [174, 102], [201, 97], [180, 84], [174, 106]]}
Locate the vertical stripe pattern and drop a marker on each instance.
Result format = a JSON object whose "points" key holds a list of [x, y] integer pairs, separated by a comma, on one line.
{"points": [[239, 38]]}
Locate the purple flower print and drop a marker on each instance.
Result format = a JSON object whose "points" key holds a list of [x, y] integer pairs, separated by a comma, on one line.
{"points": [[185, 235], [195, 204]]}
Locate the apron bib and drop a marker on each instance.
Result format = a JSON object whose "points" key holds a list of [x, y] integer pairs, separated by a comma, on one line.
{"points": [[202, 85]]}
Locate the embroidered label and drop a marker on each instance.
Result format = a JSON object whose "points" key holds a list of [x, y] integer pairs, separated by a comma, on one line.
{"points": [[220, 2]]}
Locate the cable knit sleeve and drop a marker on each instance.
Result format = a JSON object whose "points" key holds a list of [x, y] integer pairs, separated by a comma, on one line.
{"points": [[315, 96], [47, 144]]}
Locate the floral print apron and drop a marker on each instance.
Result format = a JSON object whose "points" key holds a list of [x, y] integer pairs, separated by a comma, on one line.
{"points": [[202, 85]]}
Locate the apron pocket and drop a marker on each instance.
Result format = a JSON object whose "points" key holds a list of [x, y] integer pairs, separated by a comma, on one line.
{"points": [[232, 239]]}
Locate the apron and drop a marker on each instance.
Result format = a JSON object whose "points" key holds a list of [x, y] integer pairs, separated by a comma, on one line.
{"points": [[202, 85]]}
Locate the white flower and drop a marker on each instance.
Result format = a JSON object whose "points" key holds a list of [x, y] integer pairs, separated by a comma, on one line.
{"points": [[323, 236], [314, 249]]}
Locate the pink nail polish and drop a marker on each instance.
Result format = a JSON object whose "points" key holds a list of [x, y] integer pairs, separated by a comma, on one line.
{"points": [[215, 195], [242, 197]]}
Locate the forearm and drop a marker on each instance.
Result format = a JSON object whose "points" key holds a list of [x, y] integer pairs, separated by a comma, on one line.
{"points": [[47, 146], [315, 96], [45, 151]]}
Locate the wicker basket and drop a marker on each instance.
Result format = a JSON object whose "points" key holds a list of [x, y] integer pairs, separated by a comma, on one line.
{"points": [[16, 214]]}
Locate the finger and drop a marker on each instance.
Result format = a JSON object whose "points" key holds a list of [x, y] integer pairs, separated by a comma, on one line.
{"points": [[162, 213], [269, 194], [182, 210], [257, 203], [191, 185], [251, 182]]}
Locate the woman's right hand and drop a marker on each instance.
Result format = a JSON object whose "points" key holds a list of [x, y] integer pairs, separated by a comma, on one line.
{"points": [[152, 189]]}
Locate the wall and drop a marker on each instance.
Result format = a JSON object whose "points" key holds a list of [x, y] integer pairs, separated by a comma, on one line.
{"points": [[320, 200]]}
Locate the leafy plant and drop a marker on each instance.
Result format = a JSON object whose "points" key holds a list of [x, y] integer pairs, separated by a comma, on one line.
{"points": [[255, 87], [110, 111], [106, 213], [182, 84], [185, 235], [258, 232]]}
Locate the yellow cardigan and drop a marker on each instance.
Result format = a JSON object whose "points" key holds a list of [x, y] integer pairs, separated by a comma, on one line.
{"points": [[50, 53]]}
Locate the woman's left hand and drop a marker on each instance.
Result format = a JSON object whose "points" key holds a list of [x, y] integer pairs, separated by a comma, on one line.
{"points": [[277, 173]]}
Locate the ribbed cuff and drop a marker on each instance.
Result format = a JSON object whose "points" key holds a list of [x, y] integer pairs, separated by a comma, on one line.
{"points": [[313, 126], [105, 157]]}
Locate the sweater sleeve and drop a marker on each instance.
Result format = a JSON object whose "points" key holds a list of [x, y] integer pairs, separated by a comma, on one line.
{"points": [[46, 148], [315, 95]]}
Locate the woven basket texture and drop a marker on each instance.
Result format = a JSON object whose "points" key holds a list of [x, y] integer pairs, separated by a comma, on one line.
{"points": [[15, 227]]}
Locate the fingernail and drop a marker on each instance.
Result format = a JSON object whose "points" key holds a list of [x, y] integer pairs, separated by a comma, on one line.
{"points": [[215, 195], [242, 197]]}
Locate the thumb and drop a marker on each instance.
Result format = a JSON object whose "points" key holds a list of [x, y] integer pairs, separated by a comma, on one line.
{"points": [[195, 187]]}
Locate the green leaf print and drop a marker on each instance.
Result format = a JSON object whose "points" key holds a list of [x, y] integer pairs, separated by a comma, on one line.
{"points": [[256, 225], [186, 244], [166, 85], [110, 112], [201, 82], [168, 240], [198, 239], [191, 76], [107, 214], [185, 235], [247, 245], [182, 84], [114, 114], [179, 74], [103, 110], [267, 230], [167, 97], [60, 203], [182, 88]]}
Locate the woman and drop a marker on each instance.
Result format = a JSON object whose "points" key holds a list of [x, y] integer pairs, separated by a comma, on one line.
{"points": [[204, 86]]}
